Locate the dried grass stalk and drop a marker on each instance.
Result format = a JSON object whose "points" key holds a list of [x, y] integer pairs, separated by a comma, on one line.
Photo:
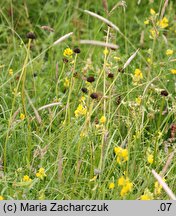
{"points": [[164, 185], [105, 5], [142, 39], [47, 28], [99, 43], [168, 162], [49, 105], [164, 8], [103, 19], [62, 38], [130, 59]]}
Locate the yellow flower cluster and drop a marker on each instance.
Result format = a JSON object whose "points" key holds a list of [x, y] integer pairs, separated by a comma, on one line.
{"points": [[169, 52], [66, 83], [10, 72], [173, 71], [146, 22], [164, 23], [150, 158], [80, 111], [41, 173], [1, 198], [158, 188], [152, 11], [111, 185], [122, 154], [105, 51], [117, 58], [154, 33], [137, 76], [125, 184], [26, 178], [138, 100], [102, 119], [147, 195], [68, 52], [22, 116]]}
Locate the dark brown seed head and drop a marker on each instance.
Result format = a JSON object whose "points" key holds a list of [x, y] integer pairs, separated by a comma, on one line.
{"points": [[77, 50], [118, 100], [84, 90], [96, 120], [65, 60], [90, 79], [94, 95], [164, 93], [121, 70], [34, 74], [75, 75], [110, 75], [31, 35]]}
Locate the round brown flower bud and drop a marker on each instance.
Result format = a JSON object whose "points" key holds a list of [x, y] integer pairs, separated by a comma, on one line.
{"points": [[90, 79], [65, 60], [94, 95], [31, 35], [77, 50], [164, 93], [110, 75], [84, 90]]}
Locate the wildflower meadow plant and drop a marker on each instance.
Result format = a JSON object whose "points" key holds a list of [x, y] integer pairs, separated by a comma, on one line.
{"points": [[87, 104]]}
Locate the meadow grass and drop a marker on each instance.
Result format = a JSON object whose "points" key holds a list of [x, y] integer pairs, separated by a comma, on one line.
{"points": [[87, 99]]}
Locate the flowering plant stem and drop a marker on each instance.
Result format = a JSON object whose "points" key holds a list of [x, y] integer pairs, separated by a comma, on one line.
{"points": [[67, 114]]}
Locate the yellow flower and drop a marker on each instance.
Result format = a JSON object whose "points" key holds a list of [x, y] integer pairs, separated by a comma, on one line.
{"points": [[10, 72], [1, 198], [163, 23], [121, 181], [154, 33], [122, 154], [147, 195], [41, 173], [150, 158], [68, 52], [42, 195], [158, 188], [26, 178], [105, 51], [111, 185], [117, 150], [125, 184], [93, 179], [127, 188], [80, 111], [137, 76], [22, 116], [173, 71], [66, 83], [146, 22], [169, 52], [149, 60], [82, 99], [102, 119], [152, 11], [138, 100], [117, 58], [138, 73]]}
